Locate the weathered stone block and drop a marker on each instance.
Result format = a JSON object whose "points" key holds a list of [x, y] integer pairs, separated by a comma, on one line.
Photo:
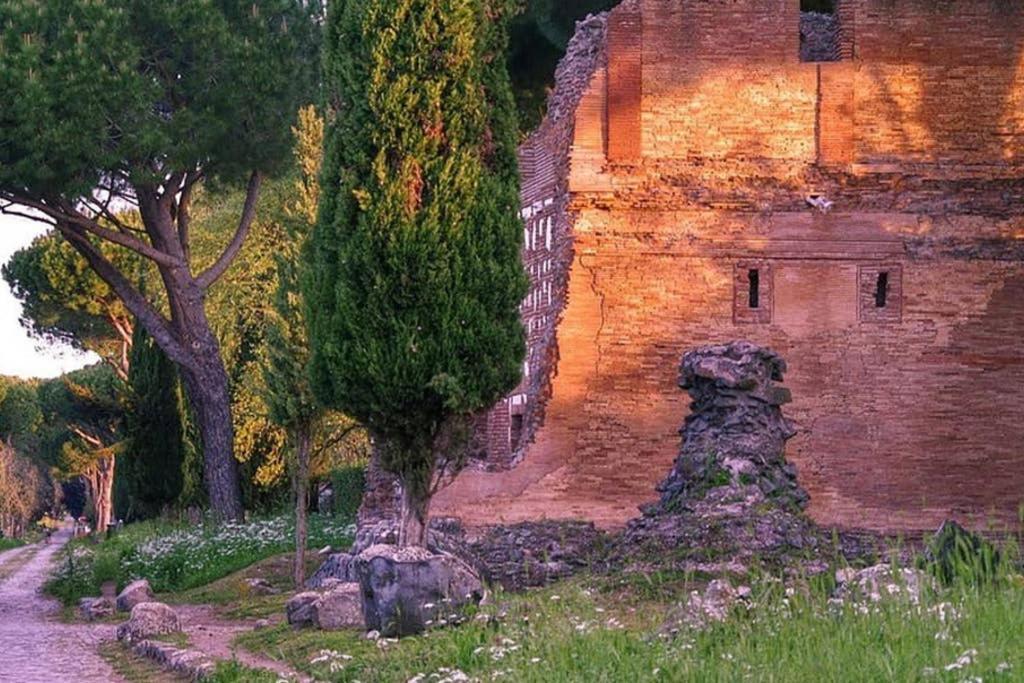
{"points": [[134, 593], [406, 590]]}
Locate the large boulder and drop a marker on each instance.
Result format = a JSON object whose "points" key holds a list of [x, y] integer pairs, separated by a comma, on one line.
{"points": [[149, 619], [339, 608], [96, 608], [133, 594], [300, 609], [405, 590]]}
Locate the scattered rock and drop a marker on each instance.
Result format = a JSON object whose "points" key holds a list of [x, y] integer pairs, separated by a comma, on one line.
{"points": [[192, 664], [339, 608], [405, 590], [96, 608], [149, 619], [261, 624], [536, 553], [300, 609], [715, 604], [134, 593], [880, 582], [257, 586]]}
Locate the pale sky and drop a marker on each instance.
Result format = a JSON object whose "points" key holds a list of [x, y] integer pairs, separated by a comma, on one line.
{"points": [[19, 354]]}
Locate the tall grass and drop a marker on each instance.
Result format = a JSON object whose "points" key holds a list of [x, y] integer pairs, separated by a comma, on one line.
{"points": [[585, 631]]}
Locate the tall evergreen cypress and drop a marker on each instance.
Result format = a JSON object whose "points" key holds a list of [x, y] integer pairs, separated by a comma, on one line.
{"points": [[151, 466], [415, 277]]}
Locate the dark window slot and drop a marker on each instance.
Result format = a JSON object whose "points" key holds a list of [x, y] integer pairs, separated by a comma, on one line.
{"points": [[882, 290], [754, 279], [516, 431]]}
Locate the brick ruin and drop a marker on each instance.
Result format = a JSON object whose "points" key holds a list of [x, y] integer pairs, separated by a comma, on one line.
{"points": [[699, 180]]}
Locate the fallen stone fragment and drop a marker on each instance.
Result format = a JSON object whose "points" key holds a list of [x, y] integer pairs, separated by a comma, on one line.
{"points": [[92, 609], [339, 608], [299, 609], [149, 619], [134, 593]]}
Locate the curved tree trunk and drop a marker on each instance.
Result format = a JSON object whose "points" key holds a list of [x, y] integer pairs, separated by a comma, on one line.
{"points": [[303, 438]]}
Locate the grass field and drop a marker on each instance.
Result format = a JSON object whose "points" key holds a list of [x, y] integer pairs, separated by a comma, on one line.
{"points": [[594, 629]]}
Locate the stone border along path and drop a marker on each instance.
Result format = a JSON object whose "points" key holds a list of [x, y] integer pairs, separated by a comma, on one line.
{"points": [[34, 646]]}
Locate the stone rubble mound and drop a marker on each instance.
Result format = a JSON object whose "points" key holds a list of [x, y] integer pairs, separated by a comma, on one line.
{"points": [[731, 495]]}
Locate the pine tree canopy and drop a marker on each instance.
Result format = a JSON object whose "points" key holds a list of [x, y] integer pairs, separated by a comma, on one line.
{"points": [[415, 276], [101, 93]]}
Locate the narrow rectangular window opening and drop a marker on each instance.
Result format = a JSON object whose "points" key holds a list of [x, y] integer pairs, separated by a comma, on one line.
{"points": [[515, 431], [754, 279], [882, 290]]}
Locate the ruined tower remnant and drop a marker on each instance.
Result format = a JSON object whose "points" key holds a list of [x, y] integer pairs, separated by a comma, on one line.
{"points": [[735, 434], [731, 494], [845, 190]]}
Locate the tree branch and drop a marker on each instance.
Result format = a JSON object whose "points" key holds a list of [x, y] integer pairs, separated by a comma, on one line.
{"points": [[156, 324], [336, 439], [69, 214], [213, 273]]}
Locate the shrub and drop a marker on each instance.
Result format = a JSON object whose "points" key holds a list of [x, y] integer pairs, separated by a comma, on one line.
{"points": [[348, 482]]}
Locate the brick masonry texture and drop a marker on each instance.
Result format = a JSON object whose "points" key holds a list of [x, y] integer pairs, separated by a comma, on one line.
{"points": [[667, 177]]}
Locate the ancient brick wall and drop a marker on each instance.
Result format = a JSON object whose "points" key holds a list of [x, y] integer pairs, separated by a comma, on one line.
{"points": [[900, 311]]}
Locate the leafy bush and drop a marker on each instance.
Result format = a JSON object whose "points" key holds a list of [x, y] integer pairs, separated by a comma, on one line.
{"points": [[955, 554], [348, 483], [178, 557], [8, 543]]}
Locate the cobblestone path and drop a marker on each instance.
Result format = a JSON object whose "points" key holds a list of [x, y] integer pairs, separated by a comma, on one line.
{"points": [[34, 647]]}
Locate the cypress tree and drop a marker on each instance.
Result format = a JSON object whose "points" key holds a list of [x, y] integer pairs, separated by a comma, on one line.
{"points": [[415, 277], [153, 460]]}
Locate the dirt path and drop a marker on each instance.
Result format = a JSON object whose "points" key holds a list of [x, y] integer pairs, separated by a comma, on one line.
{"points": [[213, 635], [34, 647]]}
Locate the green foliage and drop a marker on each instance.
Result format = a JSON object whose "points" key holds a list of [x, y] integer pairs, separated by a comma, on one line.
{"points": [[10, 543], [415, 276], [235, 672], [538, 39], [289, 397], [96, 88], [151, 466], [64, 301], [348, 483], [20, 416], [181, 556], [957, 555]]}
